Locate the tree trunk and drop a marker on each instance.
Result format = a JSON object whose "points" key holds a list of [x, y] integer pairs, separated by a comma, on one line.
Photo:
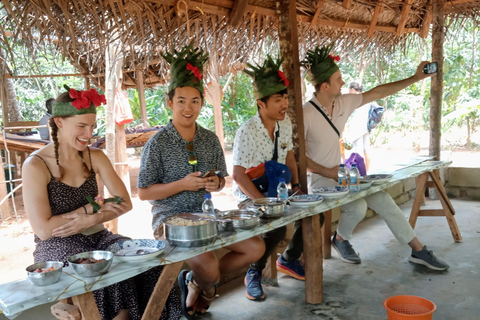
{"points": [[10, 94], [436, 90]]}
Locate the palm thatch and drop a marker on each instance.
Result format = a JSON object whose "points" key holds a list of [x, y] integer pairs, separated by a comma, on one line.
{"points": [[233, 32]]}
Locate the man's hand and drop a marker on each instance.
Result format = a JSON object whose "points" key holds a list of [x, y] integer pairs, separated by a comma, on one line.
{"points": [[419, 75], [212, 184], [194, 182], [297, 190]]}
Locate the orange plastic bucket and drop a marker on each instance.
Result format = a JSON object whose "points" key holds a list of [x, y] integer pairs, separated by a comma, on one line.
{"points": [[409, 308]]}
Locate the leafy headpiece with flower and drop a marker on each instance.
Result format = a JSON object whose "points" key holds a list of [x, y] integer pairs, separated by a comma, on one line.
{"points": [[186, 67], [83, 102], [267, 77], [320, 64]]}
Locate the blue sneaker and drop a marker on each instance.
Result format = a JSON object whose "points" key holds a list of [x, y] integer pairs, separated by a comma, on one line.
{"points": [[294, 269], [253, 282]]}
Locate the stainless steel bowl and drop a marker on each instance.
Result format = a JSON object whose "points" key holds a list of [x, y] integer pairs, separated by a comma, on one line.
{"points": [[240, 219], [45, 278], [92, 269], [190, 236], [270, 207]]}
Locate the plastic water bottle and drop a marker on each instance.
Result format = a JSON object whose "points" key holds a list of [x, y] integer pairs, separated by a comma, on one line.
{"points": [[282, 190], [343, 176], [207, 205], [354, 179]]}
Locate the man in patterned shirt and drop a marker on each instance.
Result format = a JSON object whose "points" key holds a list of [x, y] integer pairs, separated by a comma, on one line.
{"points": [[172, 165], [325, 116], [254, 144]]}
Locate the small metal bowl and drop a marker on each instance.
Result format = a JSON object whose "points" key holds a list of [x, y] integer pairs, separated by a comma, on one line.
{"points": [[241, 219], [45, 278], [270, 207], [92, 269]]}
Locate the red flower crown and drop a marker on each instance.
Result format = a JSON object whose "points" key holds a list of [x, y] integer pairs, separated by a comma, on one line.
{"points": [[83, 99], [196, 72], [282, 76], [335, 58]]}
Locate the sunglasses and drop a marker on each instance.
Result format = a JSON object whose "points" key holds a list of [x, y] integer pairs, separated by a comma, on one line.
{"points": [[192, 158]]}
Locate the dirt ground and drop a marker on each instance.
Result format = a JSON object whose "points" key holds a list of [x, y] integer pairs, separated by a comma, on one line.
{"points": [[16, 236]]}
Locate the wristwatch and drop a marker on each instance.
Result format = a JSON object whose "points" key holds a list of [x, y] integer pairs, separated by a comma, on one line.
{"points": [[296, 185]]}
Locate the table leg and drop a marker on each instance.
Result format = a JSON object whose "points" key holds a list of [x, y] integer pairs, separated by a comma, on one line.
{"points": [[162, 290], [312, 253], [327, 234], [447, 207], [421, 182], [87, 305]]}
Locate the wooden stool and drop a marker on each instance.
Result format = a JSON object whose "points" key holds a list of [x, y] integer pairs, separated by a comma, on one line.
{"points": [[447, 211]]}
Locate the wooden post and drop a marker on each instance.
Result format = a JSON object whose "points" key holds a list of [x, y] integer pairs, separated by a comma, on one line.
{"points": [[312, 239], [5, 207], [141, 97], [87, 83], [113, 72], [436, 88], [217, 112], [288, 35]]}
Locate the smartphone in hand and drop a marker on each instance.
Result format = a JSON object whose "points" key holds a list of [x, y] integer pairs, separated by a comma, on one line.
{"points": [[431, 67], [211, 173]]}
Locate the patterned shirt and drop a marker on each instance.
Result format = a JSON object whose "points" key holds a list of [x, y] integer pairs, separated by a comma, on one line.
{"points": [[165, 160], [253, 146]]}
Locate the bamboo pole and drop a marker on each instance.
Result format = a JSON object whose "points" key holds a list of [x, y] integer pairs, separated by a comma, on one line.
{"points": [[436, 88], [141, 97]]}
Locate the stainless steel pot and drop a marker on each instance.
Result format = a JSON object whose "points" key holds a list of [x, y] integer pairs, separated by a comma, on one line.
{"points": [[270, 207], [190, 236], [239, 219]]}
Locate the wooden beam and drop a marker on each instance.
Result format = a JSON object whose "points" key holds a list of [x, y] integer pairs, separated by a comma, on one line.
{"points": [[427, 21], [376, 13], [458, 2], [317, 12], [88, 308], [404, 17], [87, 83], [238, 11], [436, 87], [141, 97], [347, 4], [161, 291]]}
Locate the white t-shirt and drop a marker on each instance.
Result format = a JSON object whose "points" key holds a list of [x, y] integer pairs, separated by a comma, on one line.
{"points": [[322, 142], [253, 146]]}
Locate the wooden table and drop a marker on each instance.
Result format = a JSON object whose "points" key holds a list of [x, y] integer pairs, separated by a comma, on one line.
{"points": [[19, 296]]}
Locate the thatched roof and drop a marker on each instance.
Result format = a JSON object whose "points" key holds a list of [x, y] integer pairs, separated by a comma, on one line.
{"points": [[232, 31]]}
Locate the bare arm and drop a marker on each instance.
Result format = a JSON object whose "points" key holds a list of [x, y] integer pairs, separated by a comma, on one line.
{"points": [[37, 207], [388, 89], [314, 167], [292, 165], [79, 221], [245, 183]]}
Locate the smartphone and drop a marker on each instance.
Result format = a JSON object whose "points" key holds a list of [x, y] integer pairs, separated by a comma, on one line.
{"points": [[211, 173], [431, 67]]}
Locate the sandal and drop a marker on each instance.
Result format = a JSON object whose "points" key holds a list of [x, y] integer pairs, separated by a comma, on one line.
{"points": [[185, 281], [204, 302]]}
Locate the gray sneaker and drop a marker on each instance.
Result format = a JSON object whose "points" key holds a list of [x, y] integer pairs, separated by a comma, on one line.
{"points": [[345, 250], [427, 258]]}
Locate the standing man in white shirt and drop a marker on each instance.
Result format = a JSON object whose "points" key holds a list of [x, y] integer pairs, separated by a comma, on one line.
{"points": [[325, 116], [267, 133]]}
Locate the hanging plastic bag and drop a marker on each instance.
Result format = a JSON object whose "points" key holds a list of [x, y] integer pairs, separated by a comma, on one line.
{"points": [[123, 113]]}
